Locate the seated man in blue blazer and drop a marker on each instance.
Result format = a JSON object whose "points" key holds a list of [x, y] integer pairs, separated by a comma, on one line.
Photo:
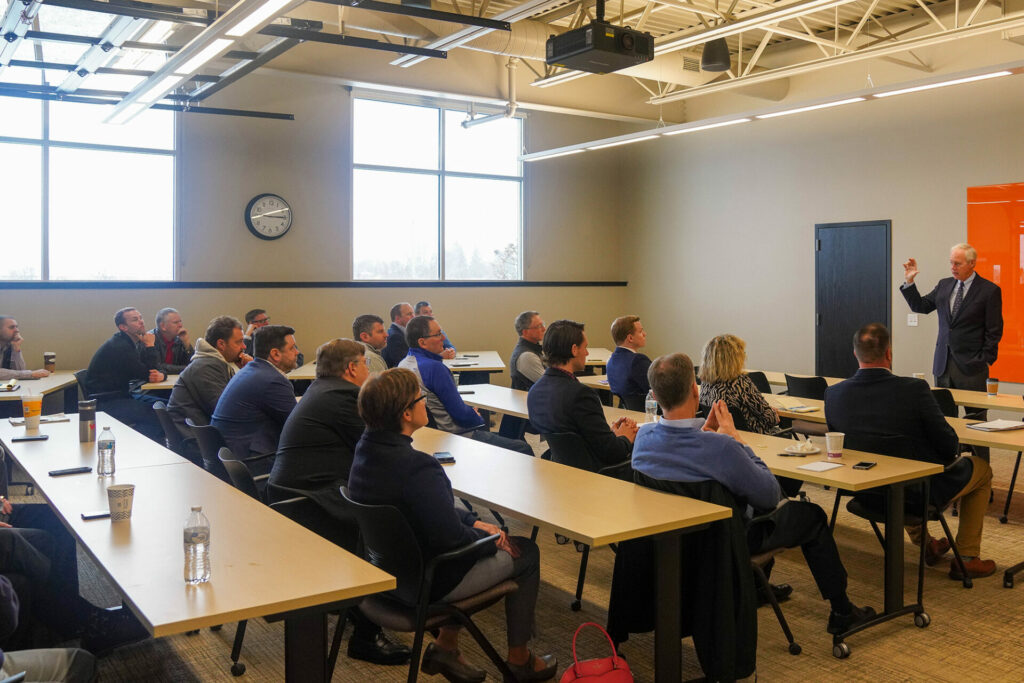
{"points": [[627, 367], [259, 398], [875, 402], [396, 346]]}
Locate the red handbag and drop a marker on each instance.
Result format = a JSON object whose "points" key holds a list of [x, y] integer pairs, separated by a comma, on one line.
{"points": [[612, 669]]}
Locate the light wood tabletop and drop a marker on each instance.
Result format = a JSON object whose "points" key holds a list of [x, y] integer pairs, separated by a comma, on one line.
{"points": [[468, 361], [45, 385], [508, 401], [779, 378], [591, 508], [166, 385], [598, 355], [980, 399]]}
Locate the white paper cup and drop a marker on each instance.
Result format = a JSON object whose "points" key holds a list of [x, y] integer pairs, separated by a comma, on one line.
{"points": [[32, 408], [834, 444], [992, 386], [120, 498]]}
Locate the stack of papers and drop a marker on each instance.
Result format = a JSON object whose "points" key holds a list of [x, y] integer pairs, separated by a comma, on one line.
{"points": [[997, 426], [45, 419], [820, 466], [790, 404]]}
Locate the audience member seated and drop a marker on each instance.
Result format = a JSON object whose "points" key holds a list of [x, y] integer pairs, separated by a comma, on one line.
{"points": [[258, 400], [627, 367], [424, 308], [254, 320], [684, 448], [397, 347], [526, 364], [123, 363], [219, 354], [314, 456], [558, 402], [722, 379], [173, 347], [12, 365], [387, 470], [36, 547], [875, 402], [64, 665], [450, 412], [369, 330]]}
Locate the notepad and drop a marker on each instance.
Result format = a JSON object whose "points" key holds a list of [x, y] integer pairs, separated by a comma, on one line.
{"points": [[820, 466], [45, 419], [791, 404], [997, 426]]}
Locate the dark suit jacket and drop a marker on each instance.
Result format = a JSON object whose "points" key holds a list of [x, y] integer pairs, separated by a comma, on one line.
{"points": [[396, 348], [627, 373], [875, 402], [253, 408], [557, 402], [119, 363], [319, 437], [972, 338]]}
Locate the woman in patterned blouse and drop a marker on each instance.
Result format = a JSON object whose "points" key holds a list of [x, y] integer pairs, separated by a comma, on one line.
{"points": [[722, 378]]}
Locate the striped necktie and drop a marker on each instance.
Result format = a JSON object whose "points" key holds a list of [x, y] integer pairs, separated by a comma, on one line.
{"points": [[959, 300]]}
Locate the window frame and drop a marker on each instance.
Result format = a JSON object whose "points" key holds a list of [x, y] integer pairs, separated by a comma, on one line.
{"points": [[44, 143], [441, 173]]}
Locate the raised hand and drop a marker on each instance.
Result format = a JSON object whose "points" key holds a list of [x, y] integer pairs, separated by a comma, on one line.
{"points": [[149, 339], [156, 376], [910, 270]]}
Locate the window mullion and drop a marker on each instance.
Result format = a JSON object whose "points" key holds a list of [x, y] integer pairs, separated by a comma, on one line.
{"points": [[44, 272], [443, 275]]}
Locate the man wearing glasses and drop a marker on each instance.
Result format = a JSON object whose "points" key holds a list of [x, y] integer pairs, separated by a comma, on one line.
{"points": [[444, 404], [526, 365], [254, 320]]}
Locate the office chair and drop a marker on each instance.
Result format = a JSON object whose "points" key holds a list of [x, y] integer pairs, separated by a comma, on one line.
{"points": [[760, 381], [186, 448], [807, 387], [758, 563], [210, 442], [631, 402], [569, 448], [391, 545], [241, 478]]}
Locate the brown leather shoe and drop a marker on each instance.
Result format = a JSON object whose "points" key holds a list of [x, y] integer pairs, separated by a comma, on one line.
{"points": [[934, 550], [976, 569]]}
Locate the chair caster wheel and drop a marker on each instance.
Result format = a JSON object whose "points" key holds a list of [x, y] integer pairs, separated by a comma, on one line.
{"points": [[1002, 520], [217, 627], [795, 649], [1008, 581], [237, 669], [576, 605], [840, 650], [922, 620], [191, 633]]}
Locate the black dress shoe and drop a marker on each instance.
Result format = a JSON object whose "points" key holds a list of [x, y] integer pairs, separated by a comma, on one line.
{"points": [[841, 623], [438, 661], [107, 629], [781, 591], [378, 650]]}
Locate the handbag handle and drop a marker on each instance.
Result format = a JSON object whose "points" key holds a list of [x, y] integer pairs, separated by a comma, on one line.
{"points": [[615, 654]]}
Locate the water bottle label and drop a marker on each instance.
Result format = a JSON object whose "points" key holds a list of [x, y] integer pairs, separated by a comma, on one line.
{"points": [[195, 536]]}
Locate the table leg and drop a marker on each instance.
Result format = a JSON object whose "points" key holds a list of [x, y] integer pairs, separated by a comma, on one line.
{"points": [[305, 647], [894, 501], [667, 645]]}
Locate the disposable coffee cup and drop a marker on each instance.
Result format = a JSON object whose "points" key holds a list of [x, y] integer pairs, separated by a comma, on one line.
{"points": [[992, 385], [50, 361], [834, 444], [32, 407], [120, 498]]}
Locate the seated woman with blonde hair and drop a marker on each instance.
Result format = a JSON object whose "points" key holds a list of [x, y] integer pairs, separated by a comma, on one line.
{"points": [[722, 378]]}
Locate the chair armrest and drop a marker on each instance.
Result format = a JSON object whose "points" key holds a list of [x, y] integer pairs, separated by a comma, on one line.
{"points": [[105, 395], [258, 457], [261, 477], [614, 470], [457, 553], [787, 433]]}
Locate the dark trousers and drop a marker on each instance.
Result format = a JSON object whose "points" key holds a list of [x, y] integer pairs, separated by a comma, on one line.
{"points": [[797, 523], [955, 378], [137, 412]]}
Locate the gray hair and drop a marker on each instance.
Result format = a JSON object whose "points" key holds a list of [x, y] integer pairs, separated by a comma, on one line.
{"points": [[523, 321], [970, 253], [163, 313]]}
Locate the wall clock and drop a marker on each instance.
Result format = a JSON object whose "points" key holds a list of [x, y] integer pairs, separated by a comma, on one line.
{"points": [[268, 216]]}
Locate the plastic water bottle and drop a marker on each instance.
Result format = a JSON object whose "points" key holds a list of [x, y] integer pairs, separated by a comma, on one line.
{"points": [[105, 462], [651, 407], [197, 547]]}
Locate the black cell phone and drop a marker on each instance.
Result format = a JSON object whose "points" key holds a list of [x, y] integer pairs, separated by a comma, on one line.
{"points": [[471, 355], [465, 392], [99, 514], [864, 465], [70, 470], [462, 365], [444, 457], [784, 454], [35, 437]]}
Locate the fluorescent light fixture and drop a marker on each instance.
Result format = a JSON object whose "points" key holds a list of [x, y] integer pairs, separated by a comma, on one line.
{"points": [[552, 156], [623, 142], [720, 124], [157, 90], [798, 110], [204, 55], [127, 113], [158, 32], [558, 79], [943, 84], [267, 10]]}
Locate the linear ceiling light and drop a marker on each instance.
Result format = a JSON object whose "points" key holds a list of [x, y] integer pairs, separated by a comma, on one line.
{"points": [[623, 142], [559, 154], [157, 90], [943, 84], [799, 110], [709, 126], [266, 11], [205, 55]]}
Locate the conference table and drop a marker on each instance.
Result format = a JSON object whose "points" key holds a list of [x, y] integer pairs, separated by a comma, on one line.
{"points": [[263, 564], [466, 361], [598, 356], [47, 386], [588, 507], [895, 474]]}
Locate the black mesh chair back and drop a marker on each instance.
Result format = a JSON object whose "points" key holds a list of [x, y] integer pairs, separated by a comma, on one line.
{"points": [[739, 420], [171, 433], [806, 387], [82, 378], [389, 543], [569, 448], [210, 442], [760, 381], [632, 402], [306, 513], [241, 477], [944, 397]]}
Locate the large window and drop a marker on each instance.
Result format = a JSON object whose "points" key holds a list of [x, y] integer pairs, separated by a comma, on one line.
{"points": [[83, 200], [432, 199]]}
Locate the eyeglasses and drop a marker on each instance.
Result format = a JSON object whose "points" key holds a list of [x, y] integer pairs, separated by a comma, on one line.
{"points": [[538, 326], [260, 321], [428, 336], [415, 401]]}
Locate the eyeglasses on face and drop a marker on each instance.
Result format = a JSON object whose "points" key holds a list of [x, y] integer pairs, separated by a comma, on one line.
{"points": [[415, 401], [260, 321], [428, 336]]}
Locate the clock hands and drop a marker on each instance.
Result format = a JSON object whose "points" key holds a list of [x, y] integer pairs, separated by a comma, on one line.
{"points": [[271, 214]]}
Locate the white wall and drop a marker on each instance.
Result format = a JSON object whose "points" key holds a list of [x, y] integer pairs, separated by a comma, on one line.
{"points": [[728, 216]]}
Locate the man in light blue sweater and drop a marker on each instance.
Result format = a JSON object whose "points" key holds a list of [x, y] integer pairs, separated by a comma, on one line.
{"points": [[687, 449]]}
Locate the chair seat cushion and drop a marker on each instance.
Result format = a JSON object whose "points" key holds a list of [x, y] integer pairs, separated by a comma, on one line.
{"points": [[397, 616]]}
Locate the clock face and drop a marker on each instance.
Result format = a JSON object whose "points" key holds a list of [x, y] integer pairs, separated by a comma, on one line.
{"points": [[268, 216]]}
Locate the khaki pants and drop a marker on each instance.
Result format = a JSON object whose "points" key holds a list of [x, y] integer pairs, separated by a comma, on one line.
{"points": [[973, 505]]}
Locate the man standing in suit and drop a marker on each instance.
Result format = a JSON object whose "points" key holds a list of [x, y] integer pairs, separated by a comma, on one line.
{"points": [[970, 310], [876, 403]]}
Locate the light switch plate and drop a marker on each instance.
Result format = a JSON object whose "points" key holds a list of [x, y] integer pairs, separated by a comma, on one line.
{"points": [[911, 319]]}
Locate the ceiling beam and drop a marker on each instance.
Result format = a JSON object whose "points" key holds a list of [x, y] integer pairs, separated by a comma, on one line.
{"points": [[119, 30], [422, 12], [14, 24], [272, 50]]}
